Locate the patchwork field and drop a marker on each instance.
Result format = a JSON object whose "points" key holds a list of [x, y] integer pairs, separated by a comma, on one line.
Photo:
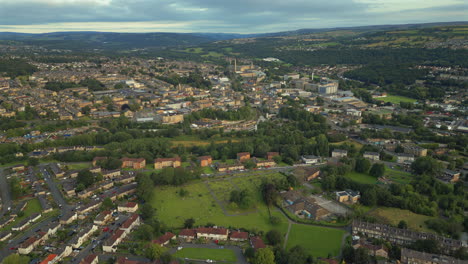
{"points": [[318, 241], [394, 215]]}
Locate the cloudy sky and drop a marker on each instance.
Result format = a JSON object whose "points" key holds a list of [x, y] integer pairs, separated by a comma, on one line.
{"points": [[235, 16]]}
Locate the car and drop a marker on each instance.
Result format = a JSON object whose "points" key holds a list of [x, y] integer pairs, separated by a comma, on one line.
{"points": [[179, 248], [209, 261], [12, 248]]}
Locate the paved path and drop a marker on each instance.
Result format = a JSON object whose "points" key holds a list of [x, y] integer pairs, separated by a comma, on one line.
{"points": [[287, 234], [5, 194]]}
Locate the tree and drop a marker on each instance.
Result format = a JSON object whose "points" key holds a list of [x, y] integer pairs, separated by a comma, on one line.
{"points": [[270, 194], [189, 223], [145, 187], [264, 256], [402, 224], [297, 255], [107, 204], [322, 147], [154, 251], [33, 162], [274, 237], [362, 165], [369, 197], [426, 165], [361, 256], [145, 232], [85, 177], [16, 259], [377, 170], [147, 211]]}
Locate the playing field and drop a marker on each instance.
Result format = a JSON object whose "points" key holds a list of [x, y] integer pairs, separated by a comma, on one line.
{"points": [[318, 241], [361, 177], [396, 99], [207, 253]]}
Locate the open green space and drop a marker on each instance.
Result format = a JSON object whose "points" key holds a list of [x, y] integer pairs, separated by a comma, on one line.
{"points": [[190, 141], [394, 215], [79, 166], [207, 253], [396, 99], [361, 177], [201, 205], [318, 241]]}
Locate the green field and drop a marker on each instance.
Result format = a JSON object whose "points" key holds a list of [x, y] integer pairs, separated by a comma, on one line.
{"points": [[361, 177], [207, 253], [396, 99], [318, 241], [79, 166], [394, 215]]}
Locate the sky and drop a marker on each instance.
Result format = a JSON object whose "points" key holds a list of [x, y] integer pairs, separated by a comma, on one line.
{"points": [[219, 16]]}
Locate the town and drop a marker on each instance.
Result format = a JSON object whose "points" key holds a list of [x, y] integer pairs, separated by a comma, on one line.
{"points": [[129, 159]]}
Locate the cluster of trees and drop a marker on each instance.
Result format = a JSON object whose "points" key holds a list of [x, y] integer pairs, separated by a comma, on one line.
{"points": [[278, 255], [16, 67], [243, 113], [86, 178], [16, 188], [92, 84], [242, 198], [194, 79]]}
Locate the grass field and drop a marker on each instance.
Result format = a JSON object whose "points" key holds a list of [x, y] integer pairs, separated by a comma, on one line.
{"points": [[207, 253], [79, 166], [394, 215], [395, 99], [200, 204], [356, 144], [318, 241], [361, 177]]}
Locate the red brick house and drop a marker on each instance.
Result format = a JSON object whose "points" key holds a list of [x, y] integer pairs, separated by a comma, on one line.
{"points": [[239, 236], [134, 163], [188, 234], [257, 243], [205, 161], [164, 239], [243, 156]]}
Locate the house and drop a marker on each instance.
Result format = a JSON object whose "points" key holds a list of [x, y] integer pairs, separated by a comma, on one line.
{"points": [[90, 259], [311, 174], [160, 163], [450, 176], [63, 252], [51, 258], [82, 236], [310, 159], [28, 245], [409, 256], [110, 174], [264, 163], [22, 225], [188, 234], [239, 236], [257, 243], [130, 207], [339, 153], [110, 245], [4, 236], [212, 233], [56, 170], [130, 223], [371, 155], [103, 217], [136, 164], [348, 196], [68, 218], [18, 168], [404, 158], [374, 250], [402, 236], [230, 167], [164, 239], [243, 156], [205, 161], [271, 155], [414, 150]]}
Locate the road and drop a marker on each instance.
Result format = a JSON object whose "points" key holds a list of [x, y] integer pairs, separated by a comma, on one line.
{"points": [[58, 197], [5, 194]]}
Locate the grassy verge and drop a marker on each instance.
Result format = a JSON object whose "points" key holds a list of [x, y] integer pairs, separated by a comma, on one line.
{"points": [[207, 253]]}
